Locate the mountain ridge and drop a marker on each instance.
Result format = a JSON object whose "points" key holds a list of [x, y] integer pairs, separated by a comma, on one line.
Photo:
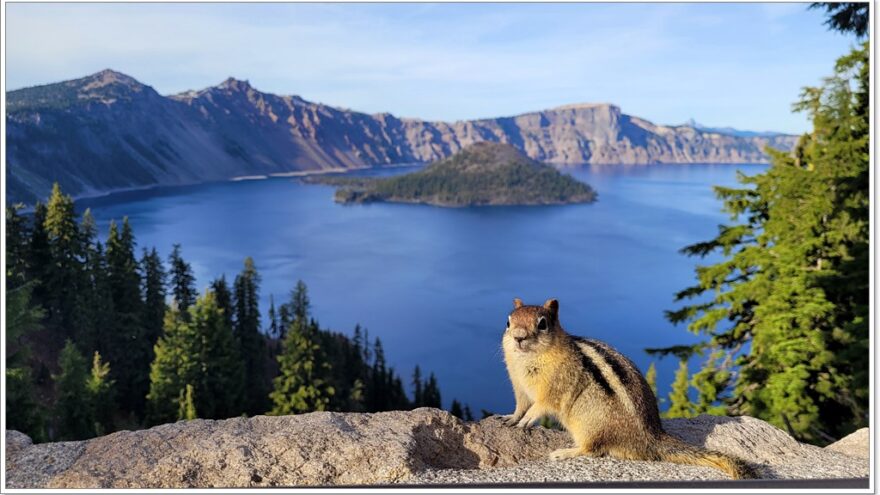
{"points": [[108, 131]]}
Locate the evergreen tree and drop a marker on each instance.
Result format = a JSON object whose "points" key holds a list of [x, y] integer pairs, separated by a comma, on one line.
{"points": [[431, 397], [73, 408], [377, 390], [456, 409], [348, 374], [251, 344], [221, 291], [38, 259], [680, 405], [199, 351], [709, 383], [218, 382], [274, 330], [99, 315], [187, 404], [183, 282], [100, 391], [651, 378], [847, 17], [175, 364], [793, 286], [86, 336], [418, 400], [23, 413], [303, 383], [467, 414], [18, 234], [127, 346], [153, 289], [284, 321], [63, 276], [300, 305]]}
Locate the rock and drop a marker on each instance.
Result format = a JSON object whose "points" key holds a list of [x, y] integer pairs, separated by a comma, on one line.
{"points": [[410, 447], [856, 444]]}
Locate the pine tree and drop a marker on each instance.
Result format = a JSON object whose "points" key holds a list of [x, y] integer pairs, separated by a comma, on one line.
{"points": [[431, 394], [303, 383], [18, 234], [99, 325], [274, 330], [221, 291], [183, 282], [651, 378], [793, 286], [710, 382], [65, 274], [175, 364], [153, 288], [38, 259], [377, 390], [418, 399], [847, 17], [300, 305], [246, 299], [187, 404], [73, 407], [680, 405], [218, 380], [86, 335], [456, 409], [23, 413], [467, 414], [199, 351], [101, 395], [127, 346]]}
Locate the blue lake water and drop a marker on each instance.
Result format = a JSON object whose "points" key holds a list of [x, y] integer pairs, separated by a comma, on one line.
{"points": [[436, 284]]}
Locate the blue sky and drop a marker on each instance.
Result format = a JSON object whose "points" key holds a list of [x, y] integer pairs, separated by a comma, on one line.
{"points": [[739, 65]]}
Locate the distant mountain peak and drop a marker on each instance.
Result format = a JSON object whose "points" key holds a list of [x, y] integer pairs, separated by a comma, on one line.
{"points": [[586, 106], [233, 84], [728, 131], [108, 77]]}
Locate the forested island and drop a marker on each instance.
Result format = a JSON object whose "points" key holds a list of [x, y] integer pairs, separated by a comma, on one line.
{"points": [[482, 174]]}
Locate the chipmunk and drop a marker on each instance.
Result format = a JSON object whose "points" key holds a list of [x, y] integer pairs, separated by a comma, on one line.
{"points": [[596, 393]]}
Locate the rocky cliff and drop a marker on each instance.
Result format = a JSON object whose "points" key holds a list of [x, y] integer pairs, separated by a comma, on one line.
{"points": [[421, 447], [108, 131]]}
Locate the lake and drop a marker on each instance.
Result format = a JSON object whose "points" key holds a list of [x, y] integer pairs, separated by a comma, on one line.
{"points": [[436, 284]]}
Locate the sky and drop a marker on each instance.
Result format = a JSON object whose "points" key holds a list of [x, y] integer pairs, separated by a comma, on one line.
{"points": [[738, 65]]}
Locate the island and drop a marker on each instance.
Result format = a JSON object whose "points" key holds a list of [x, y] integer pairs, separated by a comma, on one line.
{"points": [[482, 174]]}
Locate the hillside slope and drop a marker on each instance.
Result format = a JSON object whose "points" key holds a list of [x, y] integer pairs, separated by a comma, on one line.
{"points": [[108, 131], [481, 174]]}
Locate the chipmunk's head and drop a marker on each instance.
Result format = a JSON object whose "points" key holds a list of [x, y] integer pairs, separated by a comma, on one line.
{"points": [[532, 328]]}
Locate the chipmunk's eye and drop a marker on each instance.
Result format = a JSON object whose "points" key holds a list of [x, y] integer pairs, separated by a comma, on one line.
{"points": [[542, 323], [508, 322]]}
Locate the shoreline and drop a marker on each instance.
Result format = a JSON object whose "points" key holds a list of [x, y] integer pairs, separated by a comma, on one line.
{"points": [[303, 173]]}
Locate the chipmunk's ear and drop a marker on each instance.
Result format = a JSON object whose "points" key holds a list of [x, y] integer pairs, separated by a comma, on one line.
{"points": [[553, 306], [517, 303]]}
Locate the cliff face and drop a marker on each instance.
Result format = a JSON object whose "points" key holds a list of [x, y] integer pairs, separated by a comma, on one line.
{"points": [[420, 447], [108, 131]]}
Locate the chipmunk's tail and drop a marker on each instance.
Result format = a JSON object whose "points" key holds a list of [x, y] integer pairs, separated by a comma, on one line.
{"points": [[672, 449]]}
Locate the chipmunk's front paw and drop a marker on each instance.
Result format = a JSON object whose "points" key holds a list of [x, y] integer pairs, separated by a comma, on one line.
{"points": [[558, 455], [511, 419], [527, 421]]}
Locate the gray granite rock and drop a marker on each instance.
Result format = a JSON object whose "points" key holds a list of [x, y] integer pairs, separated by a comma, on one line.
{"points": [[412, 447], [856, 444]]}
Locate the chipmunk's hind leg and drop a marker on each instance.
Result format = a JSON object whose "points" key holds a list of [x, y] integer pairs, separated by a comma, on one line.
{"points": [[559, 454], [583, 448]]}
